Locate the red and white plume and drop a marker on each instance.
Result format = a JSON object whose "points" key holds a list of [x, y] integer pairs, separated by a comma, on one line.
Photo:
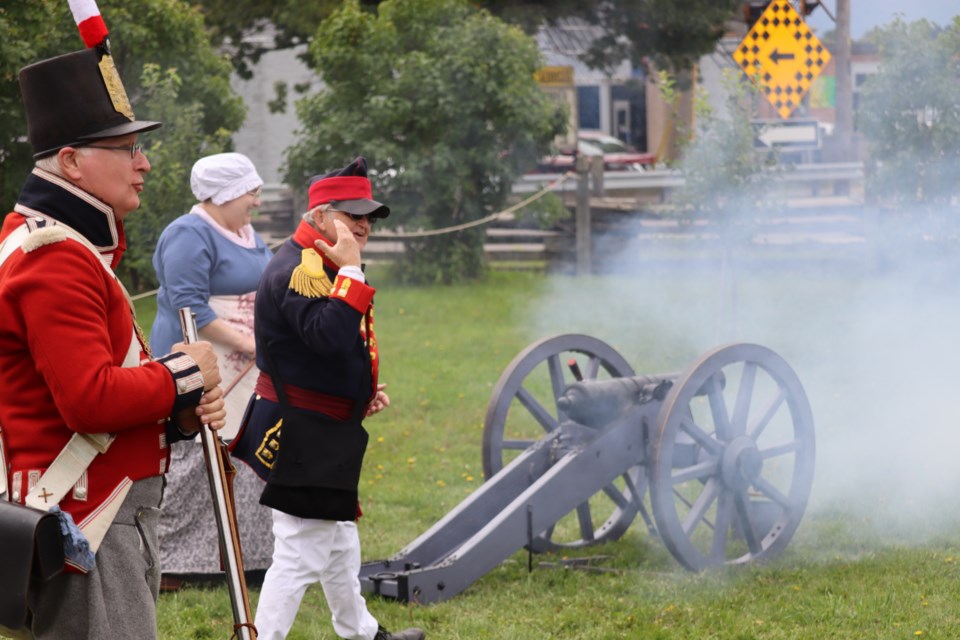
{"points": [[87, 16]]}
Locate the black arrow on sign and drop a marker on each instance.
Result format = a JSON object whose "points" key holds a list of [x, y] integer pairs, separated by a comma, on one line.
{"points": [[776, 56]]}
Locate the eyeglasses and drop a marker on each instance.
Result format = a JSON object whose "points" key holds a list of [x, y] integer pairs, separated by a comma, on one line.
{"points": [[132, 149], [256, 192]]}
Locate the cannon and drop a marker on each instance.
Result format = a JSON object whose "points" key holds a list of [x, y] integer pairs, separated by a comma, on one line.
{"points": [[717, 461]]}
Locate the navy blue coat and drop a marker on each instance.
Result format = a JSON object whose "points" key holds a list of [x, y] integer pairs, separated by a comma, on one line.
{"points": [[317, 328]]}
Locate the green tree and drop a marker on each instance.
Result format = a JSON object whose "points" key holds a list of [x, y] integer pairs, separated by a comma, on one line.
{"points": [[664, 34], [909, 114], [292, 22], [657, 34], [440, 98], [171, 73]]}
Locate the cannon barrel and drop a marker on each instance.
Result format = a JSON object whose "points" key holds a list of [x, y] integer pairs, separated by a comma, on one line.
{"points": [[597, 403]]}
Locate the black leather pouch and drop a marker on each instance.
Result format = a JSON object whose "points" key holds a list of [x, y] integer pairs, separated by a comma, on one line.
{"points": [[32, 549]]}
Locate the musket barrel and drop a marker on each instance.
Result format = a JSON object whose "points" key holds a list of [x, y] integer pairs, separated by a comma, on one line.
{"points": [[217, 461]]}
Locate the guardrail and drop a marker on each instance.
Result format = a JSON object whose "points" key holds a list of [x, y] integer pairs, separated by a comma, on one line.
{"points": [[837, 173]]}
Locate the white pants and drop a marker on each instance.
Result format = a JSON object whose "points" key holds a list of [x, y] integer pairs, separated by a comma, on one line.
{"points": [[307, 551]]}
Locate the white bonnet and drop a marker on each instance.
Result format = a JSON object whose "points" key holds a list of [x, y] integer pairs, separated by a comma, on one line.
{"points": [[223, 177]]}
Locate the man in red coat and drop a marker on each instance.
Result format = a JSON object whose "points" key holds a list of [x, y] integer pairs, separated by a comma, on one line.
{"points": [[75, 371]]}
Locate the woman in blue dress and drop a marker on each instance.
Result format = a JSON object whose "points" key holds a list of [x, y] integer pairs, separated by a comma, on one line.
{"points": [[211, 260]]}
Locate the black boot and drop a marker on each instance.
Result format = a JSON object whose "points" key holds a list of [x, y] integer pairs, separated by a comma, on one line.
{"points": [[406, 634]]}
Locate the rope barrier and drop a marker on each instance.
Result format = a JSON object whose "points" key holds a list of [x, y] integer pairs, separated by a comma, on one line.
{"points": [[493, 216], [437, 232]]}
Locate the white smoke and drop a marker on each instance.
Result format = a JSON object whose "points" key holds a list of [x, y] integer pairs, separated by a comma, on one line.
{"points": [[877, 351]]}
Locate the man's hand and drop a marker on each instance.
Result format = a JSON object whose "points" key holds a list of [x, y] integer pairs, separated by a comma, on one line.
{"points": [[211, 410], [202, 353], [380, 402], [346, 251]]}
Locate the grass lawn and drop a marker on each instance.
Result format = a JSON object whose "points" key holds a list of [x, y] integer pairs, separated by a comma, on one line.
{"points": [[876, 555]]}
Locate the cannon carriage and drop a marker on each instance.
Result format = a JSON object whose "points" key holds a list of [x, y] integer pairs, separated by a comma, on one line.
{"points": [[717, 461]]}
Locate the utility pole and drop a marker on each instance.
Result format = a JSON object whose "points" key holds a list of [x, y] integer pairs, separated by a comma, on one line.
{"points": [[843, 133]]}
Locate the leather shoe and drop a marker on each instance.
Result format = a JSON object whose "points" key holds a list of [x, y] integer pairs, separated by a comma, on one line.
{"points": [[406, 634]]}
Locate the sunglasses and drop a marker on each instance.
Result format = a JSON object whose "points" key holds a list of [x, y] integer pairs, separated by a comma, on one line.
{"points": [[357, 217]]}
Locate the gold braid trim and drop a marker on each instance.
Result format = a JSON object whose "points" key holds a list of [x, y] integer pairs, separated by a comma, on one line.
{"points": [[270, 445], [308, 278]]}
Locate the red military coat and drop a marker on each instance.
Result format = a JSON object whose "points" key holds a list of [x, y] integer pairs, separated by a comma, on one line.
{"points": [[65, 329]]}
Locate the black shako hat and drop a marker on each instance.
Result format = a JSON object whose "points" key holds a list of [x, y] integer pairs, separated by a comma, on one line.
{"points": [[76, 98], [347, 190]]}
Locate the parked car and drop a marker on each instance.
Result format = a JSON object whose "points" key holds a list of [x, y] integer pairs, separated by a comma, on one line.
{"points": [[617, 155]]}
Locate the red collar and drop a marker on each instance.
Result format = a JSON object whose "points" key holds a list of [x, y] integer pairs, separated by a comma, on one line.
{"points": [[306, 235]]}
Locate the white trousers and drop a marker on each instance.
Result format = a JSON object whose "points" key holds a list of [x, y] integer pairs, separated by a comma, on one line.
{"points": [[307, 551]]}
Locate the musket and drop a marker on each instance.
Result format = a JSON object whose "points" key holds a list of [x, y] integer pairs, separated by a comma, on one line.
{"points": [[219, 471]]}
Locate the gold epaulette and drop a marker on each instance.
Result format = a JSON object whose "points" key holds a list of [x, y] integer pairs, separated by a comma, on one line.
{"points": [[308, 278]]}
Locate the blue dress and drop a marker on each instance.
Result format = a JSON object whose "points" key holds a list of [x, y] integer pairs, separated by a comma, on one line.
{"points": [[193, 261]]}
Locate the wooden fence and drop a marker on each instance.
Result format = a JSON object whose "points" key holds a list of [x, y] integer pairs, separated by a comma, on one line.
{"points": [[822, 221]]}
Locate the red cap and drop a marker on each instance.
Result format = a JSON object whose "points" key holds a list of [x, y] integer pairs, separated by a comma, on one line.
{"points": [[347, 189], [340, 188]]}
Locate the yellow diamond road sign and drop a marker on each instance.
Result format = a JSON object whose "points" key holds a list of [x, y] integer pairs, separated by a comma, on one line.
{"points": [[782, 55]]}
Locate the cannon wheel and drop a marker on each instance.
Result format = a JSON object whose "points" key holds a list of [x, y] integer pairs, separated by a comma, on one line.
{"points": [[523, 408], [732, 460]]}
